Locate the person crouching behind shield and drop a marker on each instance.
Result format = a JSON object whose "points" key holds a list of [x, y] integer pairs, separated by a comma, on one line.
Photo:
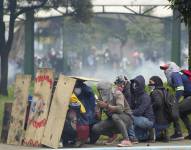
{"points": [[113, 103]]}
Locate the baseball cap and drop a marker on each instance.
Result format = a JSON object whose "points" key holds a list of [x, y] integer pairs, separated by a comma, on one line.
{"points": [[164, 66]]}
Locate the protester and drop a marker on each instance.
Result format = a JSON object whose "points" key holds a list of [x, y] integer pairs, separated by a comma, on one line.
{"points": [[123, 85], [143, 116], [85, 122], [181, 83], [113, 103], [158, 103]]}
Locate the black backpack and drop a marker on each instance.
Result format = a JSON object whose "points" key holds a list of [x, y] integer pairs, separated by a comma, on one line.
{"points": [[170, 105]]}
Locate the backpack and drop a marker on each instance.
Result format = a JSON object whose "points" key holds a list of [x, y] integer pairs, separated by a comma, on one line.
{"points": [[187, 73], [170, 105]]}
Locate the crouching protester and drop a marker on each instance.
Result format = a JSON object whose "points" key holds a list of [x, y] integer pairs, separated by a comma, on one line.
{"points": [[158, 103], [143, 116], [180, 81], [75, 114], [123, 85], [113, 103]]}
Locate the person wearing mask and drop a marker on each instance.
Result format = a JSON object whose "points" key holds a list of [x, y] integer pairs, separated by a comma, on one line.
{"points": [[86, 120], [181, 84], [123, 85], [113, 103], [158, 103], [143, 116]]}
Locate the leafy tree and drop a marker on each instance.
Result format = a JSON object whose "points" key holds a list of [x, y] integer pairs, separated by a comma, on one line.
{"points": [[14, 8], [184, 7], [82, 10]]}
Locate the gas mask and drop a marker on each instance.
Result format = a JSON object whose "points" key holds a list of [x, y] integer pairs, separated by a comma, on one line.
{"points": [[105, 95], [77, 91]]}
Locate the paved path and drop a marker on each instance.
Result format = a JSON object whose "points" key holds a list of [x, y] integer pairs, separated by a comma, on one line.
{"points": [[178, 145]]}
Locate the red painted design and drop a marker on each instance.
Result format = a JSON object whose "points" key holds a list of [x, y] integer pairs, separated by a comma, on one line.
{"points": [[31, 142], [41, 78], [38, 124]]}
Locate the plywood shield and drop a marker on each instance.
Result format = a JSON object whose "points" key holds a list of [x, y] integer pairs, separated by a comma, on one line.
{"points": [[18, 113], [39, 107], [58, 111], [6, 121]]}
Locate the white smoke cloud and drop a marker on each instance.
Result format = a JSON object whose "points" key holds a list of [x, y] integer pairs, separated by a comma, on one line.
{"points": [[12, 71]]}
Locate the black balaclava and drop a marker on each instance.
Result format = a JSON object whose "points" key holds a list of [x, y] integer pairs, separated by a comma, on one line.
{"points": [[157, 81]]}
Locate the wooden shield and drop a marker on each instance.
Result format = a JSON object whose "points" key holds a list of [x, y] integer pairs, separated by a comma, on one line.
{"points": [[18, 113], [6, 121], [58, 111], [39, 107]]}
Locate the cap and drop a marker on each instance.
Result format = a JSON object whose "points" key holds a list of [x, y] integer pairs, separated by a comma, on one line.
{"points": [[164, 66]]}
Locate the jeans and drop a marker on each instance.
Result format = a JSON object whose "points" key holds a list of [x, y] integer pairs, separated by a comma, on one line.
{"points": [[142, 126], [131, 132], [142, 122]]}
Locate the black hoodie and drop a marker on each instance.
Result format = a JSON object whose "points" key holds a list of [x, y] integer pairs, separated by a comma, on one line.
{"points": [[141, 102], [158, 101]]}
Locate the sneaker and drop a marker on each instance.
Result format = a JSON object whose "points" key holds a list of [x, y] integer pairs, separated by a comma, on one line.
{"points": [[188, 137], [60, 145], [176, 137], [134, 141], [79, 144], [125, 143], [111, 140]]}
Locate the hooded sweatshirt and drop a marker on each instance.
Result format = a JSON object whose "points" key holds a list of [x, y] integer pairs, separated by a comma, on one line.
{"points": [[157, 100], [141, 102]]}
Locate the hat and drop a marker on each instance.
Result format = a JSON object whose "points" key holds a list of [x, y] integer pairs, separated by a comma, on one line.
{"points": [[164, 66]]}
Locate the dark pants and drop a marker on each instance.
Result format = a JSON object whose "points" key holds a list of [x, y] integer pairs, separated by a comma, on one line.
{"points": [[177, 127], [185, 110], [117, 123]]}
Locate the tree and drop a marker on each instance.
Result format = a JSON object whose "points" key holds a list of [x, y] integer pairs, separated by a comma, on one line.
{"points": [[184, 7], [14, 8], [82, 10]]}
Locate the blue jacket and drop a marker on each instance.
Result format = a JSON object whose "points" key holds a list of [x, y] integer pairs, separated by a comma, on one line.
{"points": [[88, 100], [141, 101], [181, 83]]}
